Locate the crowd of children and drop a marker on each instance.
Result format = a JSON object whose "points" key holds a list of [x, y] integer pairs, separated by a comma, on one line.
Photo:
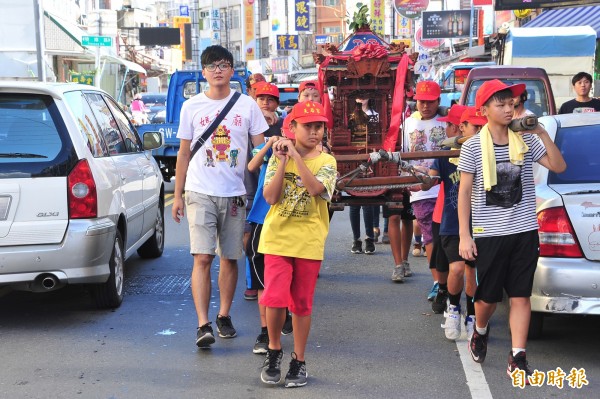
{"points": [[478, 225]]}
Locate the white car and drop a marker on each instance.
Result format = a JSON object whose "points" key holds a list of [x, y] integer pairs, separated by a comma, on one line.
{"points": [[567, 278], [79, 190]]}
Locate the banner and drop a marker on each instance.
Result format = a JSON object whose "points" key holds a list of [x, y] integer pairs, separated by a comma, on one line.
{"points": [[302, 16], [249, 40], [448, 24], [280, 65], [410, 5], [378, 16]]}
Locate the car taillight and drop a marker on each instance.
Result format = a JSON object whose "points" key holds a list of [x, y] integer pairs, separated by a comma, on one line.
{"points": [[557, 237], [83, 201]]}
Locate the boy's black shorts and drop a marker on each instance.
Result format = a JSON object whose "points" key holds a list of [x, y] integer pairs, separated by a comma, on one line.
{"points": [[506, 262], [255, 258], [450, 247], [406, 212], [438, 260]]}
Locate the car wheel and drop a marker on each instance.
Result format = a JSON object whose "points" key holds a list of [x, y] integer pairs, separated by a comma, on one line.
{"points": [[110, 293], [154, 246], [536, 325]]}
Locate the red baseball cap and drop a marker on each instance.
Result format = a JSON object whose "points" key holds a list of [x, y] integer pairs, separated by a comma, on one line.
{"points": [[454, 114], [308, 85], [308, 111], [491, 87], [264, 88], [474, 116], [285, 128], [427, 90]]}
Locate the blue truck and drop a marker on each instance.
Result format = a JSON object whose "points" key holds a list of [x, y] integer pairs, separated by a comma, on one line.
{"points": [[452, 79], [182, 86]]}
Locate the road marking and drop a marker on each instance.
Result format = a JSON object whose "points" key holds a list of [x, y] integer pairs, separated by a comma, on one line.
{"points": [[169, 199], [475, 377]]}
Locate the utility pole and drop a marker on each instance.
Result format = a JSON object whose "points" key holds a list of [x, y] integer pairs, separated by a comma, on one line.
{"points": [[39, 45]]}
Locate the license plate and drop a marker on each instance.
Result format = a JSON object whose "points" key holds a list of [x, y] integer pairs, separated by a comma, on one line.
{"points": [[4, 206]]}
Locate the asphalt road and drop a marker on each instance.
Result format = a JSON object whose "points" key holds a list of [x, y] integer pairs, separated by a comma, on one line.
{"points": [[371, 338]]}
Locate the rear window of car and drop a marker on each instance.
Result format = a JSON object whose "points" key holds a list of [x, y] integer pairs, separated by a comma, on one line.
{"points": [[580, 147], [27, 129], [288, 96], [537, 101]]}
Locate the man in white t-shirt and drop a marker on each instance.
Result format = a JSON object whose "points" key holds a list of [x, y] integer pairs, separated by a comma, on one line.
{"points": [[213, 180], [424, 132]]}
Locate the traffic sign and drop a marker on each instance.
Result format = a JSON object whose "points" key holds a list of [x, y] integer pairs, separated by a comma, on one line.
{"points": [[99, 41]]}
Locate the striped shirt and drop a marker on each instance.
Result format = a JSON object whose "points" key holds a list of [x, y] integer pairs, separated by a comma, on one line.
{"points": [[509, 207]]}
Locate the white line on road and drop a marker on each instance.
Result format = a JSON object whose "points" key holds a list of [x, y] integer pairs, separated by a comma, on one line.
{"points": [[475, 377]]}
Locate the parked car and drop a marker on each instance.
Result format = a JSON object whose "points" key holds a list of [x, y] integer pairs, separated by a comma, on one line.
{"points": [[155, 102], [79, 190], [567, 279], [288, 95]]}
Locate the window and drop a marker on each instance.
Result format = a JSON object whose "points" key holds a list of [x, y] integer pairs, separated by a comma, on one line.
{"points": [[330, 3], [331, 29], [87, 124], [579, 146], [108, 125], [235, 18], [132, 140], [264, 47], [28, 131], [263, 10]]}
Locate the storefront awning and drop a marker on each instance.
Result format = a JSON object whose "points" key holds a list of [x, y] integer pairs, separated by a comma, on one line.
{"points": [[132, 66], [576, 16]]}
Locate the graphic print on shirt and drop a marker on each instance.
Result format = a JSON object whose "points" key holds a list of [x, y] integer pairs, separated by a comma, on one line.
{"points": [[234, 157], [418, 141], [453, 197], [437, 135], [295, 199], [508, 191], [209, 158]]}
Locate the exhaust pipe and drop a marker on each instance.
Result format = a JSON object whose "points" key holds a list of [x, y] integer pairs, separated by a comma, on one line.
{"points": [[49, 282]]}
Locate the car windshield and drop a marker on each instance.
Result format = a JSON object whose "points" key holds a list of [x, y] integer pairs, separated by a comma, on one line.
{"points": [[537, 101], [154, 99], [288, 96], [27, 129], [189, 88], [580, 147]]}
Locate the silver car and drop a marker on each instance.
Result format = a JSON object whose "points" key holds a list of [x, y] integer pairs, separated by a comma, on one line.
{"points": [[567, 279], [79, 190]]}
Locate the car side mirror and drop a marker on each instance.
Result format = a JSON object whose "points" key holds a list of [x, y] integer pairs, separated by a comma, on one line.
{"points": [[153, 140]]}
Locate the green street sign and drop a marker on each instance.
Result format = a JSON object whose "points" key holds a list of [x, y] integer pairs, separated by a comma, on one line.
{"points": [[100, 41]]}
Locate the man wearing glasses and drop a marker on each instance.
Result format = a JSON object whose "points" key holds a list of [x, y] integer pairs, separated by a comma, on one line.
{"points": [[213, 180]]}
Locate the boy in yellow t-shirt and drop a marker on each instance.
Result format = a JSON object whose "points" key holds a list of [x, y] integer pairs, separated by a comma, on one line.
{"points": [[299, 182]]}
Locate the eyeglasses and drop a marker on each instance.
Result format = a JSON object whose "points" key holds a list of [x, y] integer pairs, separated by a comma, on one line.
{"points": [[213, 67]]}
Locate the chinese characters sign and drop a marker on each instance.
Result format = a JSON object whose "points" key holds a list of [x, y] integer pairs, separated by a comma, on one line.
{"points": [[287, 42], [280, 65], [302, 17], [378, 16], [249, 40], [83, 78]]}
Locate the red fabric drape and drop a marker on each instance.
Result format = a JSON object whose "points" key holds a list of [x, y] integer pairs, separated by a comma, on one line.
{"points": [[325, 94], [391, 137]]}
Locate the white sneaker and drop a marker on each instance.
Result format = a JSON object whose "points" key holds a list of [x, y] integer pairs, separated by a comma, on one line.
{"points": [[417, 249], [407, 271], [470, 323], [452, 324], [398, 274]]}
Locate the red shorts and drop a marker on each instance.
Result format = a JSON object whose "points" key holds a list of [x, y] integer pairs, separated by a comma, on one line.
{"points": [[290, 283]]}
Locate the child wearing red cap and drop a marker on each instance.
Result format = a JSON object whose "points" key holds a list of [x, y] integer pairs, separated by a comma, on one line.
{"points": [[309, 91], [299, 183], [497, 204]]}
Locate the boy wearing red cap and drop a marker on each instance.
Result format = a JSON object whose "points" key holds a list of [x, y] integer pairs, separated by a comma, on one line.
{"points": [[423, 132], [309, 91], [497, 202], [299, 183]]}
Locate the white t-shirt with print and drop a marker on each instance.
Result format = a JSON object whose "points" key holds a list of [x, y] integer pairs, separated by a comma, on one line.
{"points": [[423, 135], [218, 167]]}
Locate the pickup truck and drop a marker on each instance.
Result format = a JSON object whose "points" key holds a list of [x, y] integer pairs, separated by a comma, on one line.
{"points": [[182, 86], [540, 97], [452, 80]]}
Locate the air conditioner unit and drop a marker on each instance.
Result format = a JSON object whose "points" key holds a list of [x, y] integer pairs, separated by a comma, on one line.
{"points": [[204, 14]]}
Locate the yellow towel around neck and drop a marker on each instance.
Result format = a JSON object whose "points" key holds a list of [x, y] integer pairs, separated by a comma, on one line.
{"points": [[516, 152]]}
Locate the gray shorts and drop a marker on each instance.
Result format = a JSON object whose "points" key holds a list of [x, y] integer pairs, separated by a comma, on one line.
{"points": [[216, 224]]}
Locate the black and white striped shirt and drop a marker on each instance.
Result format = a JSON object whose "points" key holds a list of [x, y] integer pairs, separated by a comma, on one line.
{"points": [[509, 207]]}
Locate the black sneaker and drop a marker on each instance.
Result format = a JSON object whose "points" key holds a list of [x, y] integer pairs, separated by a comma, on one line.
{"points": [[356, 247], [205, 336], [271, 370], [296, 376], [439, 302], [478, 345], [519, 362], [225, 327], [262, 343], [369, 246], [287, 326]]}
